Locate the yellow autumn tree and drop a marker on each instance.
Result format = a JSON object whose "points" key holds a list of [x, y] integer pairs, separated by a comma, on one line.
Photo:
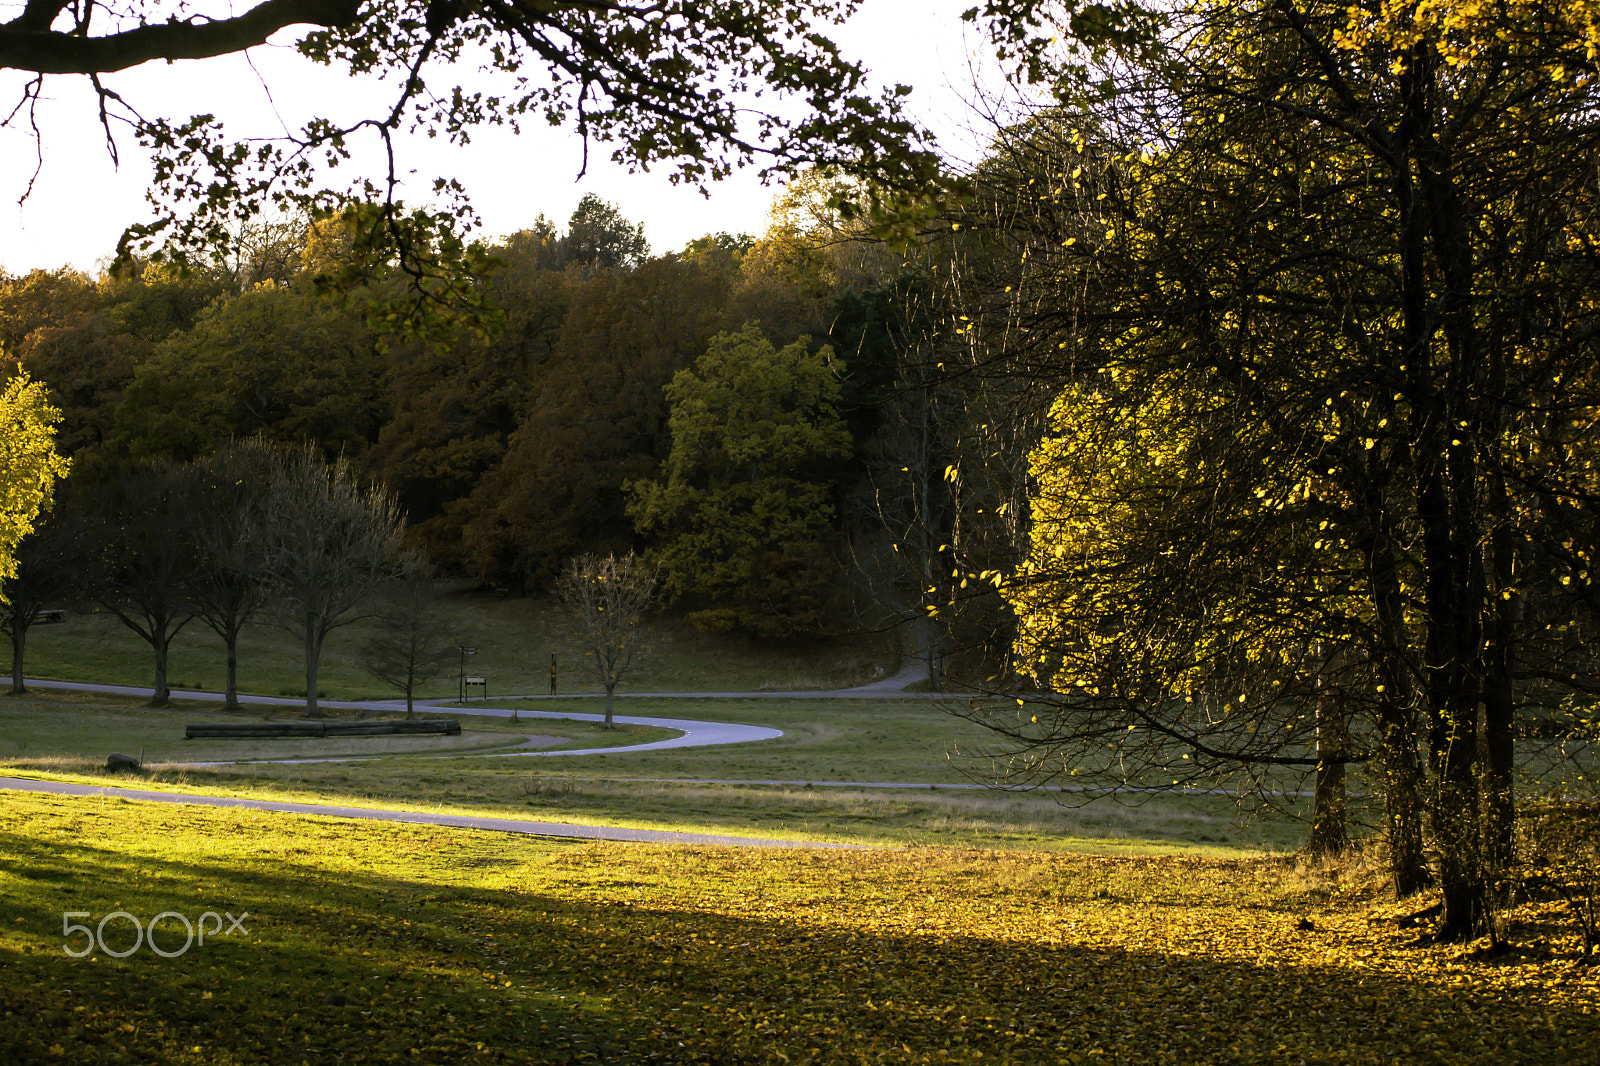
{"points": [[1185, 598], [29, 463]]}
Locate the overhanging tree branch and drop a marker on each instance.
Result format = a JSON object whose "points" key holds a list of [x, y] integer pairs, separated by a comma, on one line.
{"points": [[23, 46]]}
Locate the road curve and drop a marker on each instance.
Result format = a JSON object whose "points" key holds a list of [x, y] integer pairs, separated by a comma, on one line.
{"points": [[457, 821], [692, 734]]}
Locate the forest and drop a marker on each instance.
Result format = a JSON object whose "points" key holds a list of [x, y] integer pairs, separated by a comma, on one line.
{"points": [[622, 399]]}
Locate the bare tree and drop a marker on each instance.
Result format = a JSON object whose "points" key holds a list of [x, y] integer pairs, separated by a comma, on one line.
{"points": [[48, 566], [412, 644], [330, 542], [143, 558], [607, 595], [232, 583]]}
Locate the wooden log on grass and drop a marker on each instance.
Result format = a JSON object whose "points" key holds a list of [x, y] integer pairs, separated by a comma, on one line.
{"points": [[439, 726]]}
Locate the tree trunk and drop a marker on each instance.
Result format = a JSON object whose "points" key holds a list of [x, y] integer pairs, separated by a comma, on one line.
{"points": [[611, 688], [162, 695], [313, 660], [231, 695], [1329, 836], [1462, 883], [1496, 736], [1402, 798], [19, 638], [1401, 763]]}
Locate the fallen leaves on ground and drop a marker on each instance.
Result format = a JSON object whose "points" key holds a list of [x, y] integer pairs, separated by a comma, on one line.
{"points": [[382, 943]]}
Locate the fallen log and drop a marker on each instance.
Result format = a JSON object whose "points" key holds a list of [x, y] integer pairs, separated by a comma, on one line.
{"points": [[440, 726]]}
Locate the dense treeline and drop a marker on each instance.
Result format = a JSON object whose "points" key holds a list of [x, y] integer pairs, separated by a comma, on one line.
{"points": [[563, 431]]}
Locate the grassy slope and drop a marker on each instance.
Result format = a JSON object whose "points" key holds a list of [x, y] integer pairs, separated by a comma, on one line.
{"points": [[514, 640], [371, 943]]}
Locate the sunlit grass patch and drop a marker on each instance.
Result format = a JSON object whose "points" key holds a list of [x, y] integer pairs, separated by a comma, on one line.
{"points": [[376, 943]]}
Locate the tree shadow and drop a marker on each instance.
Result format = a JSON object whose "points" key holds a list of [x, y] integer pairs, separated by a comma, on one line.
{"points": [[368, 966]]}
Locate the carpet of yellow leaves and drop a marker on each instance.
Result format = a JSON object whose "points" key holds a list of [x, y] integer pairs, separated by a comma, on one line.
{"points": [[388, 943]]}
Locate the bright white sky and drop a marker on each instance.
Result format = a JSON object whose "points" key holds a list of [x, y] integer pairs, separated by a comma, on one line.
{"points": [[81, 202]]}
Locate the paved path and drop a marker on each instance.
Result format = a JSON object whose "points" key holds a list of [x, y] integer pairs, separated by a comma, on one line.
{"points": [[692, 734], [460, 821]]}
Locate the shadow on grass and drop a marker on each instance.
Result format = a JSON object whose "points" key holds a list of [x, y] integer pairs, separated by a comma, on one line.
{"points": [[460, 963]]}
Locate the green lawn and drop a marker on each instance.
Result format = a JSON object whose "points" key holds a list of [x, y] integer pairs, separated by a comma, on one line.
{"points": [[1034, 932], [864, 741], [513, 638]]}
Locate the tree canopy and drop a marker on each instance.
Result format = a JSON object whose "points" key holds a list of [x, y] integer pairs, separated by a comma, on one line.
{"points": [[743, 516], [702, 89], [1366, 257], [29, 464]]}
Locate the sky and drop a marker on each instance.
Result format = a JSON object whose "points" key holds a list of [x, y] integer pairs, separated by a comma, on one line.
{"points": [[80, 201]]}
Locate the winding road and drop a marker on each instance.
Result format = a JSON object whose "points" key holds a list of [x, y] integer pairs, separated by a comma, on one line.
{"points": [[691, 734]]}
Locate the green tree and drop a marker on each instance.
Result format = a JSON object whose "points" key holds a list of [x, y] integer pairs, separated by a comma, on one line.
{"points": [[595, 417], [599, 238], [30, 567], [452, 409], [88, 347], [1201, 619], [29, 465], [41, 299], [742, 507], [273, 362]]}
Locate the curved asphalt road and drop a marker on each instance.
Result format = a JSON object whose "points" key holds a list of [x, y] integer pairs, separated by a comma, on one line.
{"points": [[692, 734], [459, 821]]}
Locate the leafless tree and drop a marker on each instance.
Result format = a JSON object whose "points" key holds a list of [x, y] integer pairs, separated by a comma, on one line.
{"points": [[232, 584], [143, 557], [607, 595], [330, 543], [411, 643], [48, 566]]}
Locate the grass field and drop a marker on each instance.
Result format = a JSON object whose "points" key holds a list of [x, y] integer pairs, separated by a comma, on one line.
{"points": [[711, 789], [986, 926], [380, 943], [514, 640]]}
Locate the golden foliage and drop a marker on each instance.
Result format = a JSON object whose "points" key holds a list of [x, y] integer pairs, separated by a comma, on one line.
{"points": [[29, 465]]}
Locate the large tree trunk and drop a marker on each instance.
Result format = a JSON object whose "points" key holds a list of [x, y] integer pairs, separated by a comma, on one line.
{"points": [[162, 694], [611, 688], [231, 694], [1401, 762], [1402, 797], [1496, 730]]}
